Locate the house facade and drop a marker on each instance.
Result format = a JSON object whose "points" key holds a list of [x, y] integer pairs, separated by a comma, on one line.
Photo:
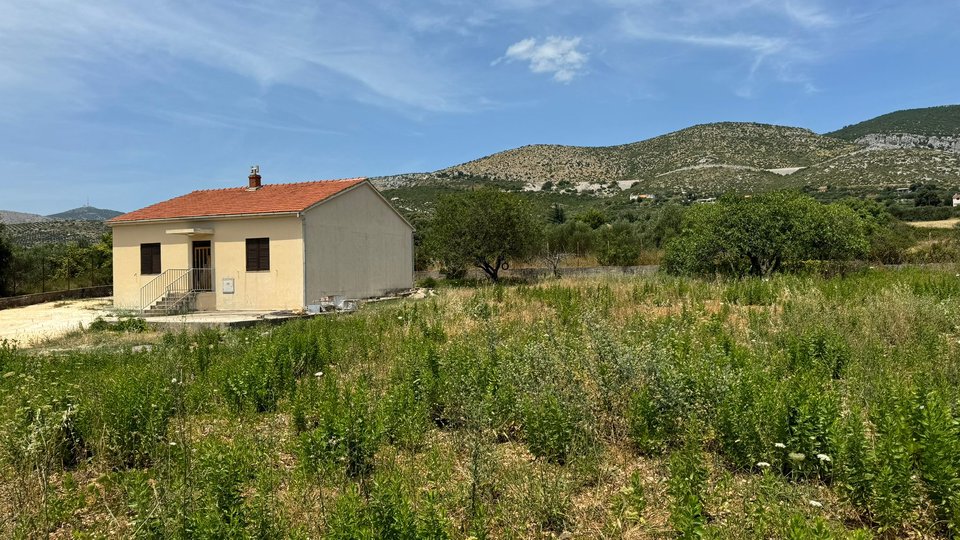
{"points": [[261, 247]]}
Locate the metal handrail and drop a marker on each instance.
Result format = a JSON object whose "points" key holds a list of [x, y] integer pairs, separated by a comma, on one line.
{"points": [[160, 286], [175, 280]]}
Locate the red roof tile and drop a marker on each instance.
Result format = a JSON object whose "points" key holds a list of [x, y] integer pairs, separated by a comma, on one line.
{"points": [[268, 199]]}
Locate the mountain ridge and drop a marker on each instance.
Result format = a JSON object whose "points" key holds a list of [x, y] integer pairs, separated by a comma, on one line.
{"points": [[939, 121], [709, 159]]}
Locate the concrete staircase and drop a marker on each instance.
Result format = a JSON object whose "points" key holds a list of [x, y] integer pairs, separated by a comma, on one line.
{"points": [[173, 303]]}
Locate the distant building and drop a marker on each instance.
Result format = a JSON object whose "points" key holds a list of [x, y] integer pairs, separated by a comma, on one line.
{"points": [[261, 247], [956, 199], [642, 197]]}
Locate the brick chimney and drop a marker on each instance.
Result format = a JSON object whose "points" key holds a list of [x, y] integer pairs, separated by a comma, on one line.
{"points": [[254, 178]]}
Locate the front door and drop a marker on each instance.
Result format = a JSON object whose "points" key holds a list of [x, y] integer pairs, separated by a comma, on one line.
{"points": [[202, 273]]}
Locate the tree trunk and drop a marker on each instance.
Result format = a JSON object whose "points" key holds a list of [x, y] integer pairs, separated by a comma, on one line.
{"points": [[492, 270]]}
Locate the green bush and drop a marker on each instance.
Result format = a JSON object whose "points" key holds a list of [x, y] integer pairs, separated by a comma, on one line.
{"points": [[45, 434], [341, 430], [687, 487], [130, 415], [616, 245], [551, 427]]}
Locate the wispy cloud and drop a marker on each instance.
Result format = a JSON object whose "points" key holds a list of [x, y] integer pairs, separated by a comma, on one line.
{"points": [[807, 14], [556, 55], [773, 40], [340, 48]]}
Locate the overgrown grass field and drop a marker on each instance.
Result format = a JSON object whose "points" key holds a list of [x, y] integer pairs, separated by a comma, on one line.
{"points": [[794, 407]]}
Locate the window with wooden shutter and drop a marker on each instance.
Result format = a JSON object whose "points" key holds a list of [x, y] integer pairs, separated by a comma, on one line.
{"points": [[258, 254], [149, 259]]}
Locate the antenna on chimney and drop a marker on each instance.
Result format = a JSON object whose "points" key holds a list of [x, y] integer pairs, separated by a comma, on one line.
{"points": [[254, 178]]}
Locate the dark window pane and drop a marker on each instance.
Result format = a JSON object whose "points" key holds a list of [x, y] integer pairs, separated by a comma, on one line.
{"points": [[149, 258]]}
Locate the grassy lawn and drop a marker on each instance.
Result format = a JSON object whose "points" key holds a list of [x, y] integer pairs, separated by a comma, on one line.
{"points": [[642, 407]]}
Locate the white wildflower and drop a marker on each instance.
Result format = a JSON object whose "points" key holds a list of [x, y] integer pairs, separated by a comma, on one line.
{"points": [[318, 374], [796, 456], [780, 445], [824, 457], [763, 465], [816, 504]]}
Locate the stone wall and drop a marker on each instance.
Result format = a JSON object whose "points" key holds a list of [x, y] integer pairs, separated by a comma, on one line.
{"points": [[532, 274], [39, 298]]}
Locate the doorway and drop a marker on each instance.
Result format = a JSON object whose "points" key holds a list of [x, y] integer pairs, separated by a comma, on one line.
{"points": [[201, 266]]}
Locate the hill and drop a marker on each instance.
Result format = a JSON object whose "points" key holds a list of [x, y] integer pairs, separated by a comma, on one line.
{"points": [[943, 121], [36, 233], [874, 169], [727, 144], [86, 213], [9, 217]]}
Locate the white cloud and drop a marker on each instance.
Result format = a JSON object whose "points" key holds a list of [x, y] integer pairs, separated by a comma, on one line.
{"points": [[556, 55]]}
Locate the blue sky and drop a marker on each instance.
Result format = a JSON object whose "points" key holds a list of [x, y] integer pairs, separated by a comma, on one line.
{"points": [[126, 103]]}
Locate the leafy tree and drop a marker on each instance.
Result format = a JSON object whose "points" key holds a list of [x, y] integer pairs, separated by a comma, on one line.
{"points": [[758, 235], [617, 244], [557, 214], [592, 217], [6, 260], [71, 262], [663, 226], [887, 237], [561, 241], [927, 195], [484, 228]]}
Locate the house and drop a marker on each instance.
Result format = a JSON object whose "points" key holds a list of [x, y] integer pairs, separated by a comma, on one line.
{"points": [[956, 199], [261, 247]]}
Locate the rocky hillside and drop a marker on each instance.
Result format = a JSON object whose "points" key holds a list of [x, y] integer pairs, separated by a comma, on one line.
{"points": [[726, 145], [9, 217], [894, 150], [909, 140], [885, 168], [927, 122]]}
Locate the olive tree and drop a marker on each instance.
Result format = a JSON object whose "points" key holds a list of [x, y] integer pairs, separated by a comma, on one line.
{"points": [[758, 235], [573, 237], [6, 261], [485, 228]]}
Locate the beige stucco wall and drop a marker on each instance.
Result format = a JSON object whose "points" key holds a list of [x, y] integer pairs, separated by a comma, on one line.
{"points": [[356, 246], [279, 288]]}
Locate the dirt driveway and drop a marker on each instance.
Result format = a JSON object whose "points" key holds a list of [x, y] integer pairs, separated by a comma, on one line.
{"points": [[32, 324]]}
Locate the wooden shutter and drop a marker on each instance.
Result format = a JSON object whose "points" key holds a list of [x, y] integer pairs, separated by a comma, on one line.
{"points": [[258, 254]]}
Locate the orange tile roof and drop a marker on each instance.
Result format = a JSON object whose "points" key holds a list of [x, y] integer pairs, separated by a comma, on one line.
{"points": [[268, 199]]}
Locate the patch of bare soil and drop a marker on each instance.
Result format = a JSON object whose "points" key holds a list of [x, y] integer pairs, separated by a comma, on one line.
{"points": [[31, 325]]}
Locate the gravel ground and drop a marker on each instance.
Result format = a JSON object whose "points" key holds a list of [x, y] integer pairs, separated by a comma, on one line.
{"points": [[32, 324]]}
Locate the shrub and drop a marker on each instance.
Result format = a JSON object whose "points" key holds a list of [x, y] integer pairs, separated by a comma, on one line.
{"points": [[938, 452], [342, 432], [617, 245], [388, 512], [45, 434], [130, 415], [230, 502], [551, 427], [687, 487]]}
